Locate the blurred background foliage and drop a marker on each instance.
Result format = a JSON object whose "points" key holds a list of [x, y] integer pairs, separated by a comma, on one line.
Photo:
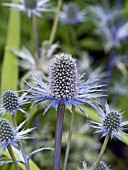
{"points": [[91, 51]]}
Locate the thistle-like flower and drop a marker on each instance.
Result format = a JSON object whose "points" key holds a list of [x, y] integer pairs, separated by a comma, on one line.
{"points": [[101, 166], [70, 14], [10, 134], [64, 85], [10, 102], [31, 6], [103, 19], [111, 122]]}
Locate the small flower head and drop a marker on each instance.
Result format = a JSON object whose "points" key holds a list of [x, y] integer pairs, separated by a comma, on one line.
{"points": [[31, 6], [10, 102], [111, 122], [10, 135], [6, 131], [101, 166], [71, 14], [64, 85]]}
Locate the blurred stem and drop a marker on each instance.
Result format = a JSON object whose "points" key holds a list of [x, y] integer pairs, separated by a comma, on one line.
{"points": [[58, 136], [34, 37], [13, 156], [109, 69], [69, 138], [21, 146], [106, 4], [74, 39], [55, 23], [102, 151]]}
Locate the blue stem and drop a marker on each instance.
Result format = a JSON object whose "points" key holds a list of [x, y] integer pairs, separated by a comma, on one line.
{"points": [[109, 69], [58, 136]]}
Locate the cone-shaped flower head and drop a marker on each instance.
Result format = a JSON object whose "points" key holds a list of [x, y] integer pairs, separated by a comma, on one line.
{"points": [[10, 134], [31, 6], [111, 122], [63, 77], [101, 166], [64, 85], [6, 131], [10, 102]]}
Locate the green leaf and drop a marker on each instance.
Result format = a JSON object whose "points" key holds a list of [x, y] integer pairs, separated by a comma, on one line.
{"points": [[9, 77]]}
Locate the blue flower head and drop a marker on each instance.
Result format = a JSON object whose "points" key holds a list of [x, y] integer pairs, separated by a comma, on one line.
{"points": [[10, 134], [70, 14], [10, 102], [31, 6], [64, 85], [111, 122]]}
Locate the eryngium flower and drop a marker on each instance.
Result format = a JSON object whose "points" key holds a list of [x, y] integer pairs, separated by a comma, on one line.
{"points": [[31, 6], [71, 14], [10, 102], [64, 85], [101, 166], [10, 134], [111, 122]]}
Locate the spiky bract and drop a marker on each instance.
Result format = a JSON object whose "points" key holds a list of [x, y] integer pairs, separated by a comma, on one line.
{"points": [[111, 122], [64, 85]]}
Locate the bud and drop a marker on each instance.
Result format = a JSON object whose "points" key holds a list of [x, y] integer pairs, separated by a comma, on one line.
{"points": [[30, 4], [10, 101], [112, 121], [6, 131], [63, 76]]}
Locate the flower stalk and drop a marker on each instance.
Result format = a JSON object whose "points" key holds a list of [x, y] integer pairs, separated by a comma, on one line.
{"points": [[58, 136], [69, 138], [35, 37], [13, 156], [55, 23], [21, 146], [102, 150]]}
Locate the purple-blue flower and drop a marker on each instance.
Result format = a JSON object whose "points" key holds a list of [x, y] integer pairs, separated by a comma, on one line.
{"points": [[64, 85], [31, 6], [111, 122], [71, 14], [10, 134], [10, 102]]}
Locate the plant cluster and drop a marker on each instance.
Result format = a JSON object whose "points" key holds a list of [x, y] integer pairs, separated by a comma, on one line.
{"points": [[51, 79]]}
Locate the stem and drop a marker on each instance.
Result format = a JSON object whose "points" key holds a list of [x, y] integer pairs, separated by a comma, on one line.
{"points": [[69, 138], [58, 135], [109, 69], [54, 28], [13, 156], [74, 39], [21, 146], [35, 36], [102, 151]]}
